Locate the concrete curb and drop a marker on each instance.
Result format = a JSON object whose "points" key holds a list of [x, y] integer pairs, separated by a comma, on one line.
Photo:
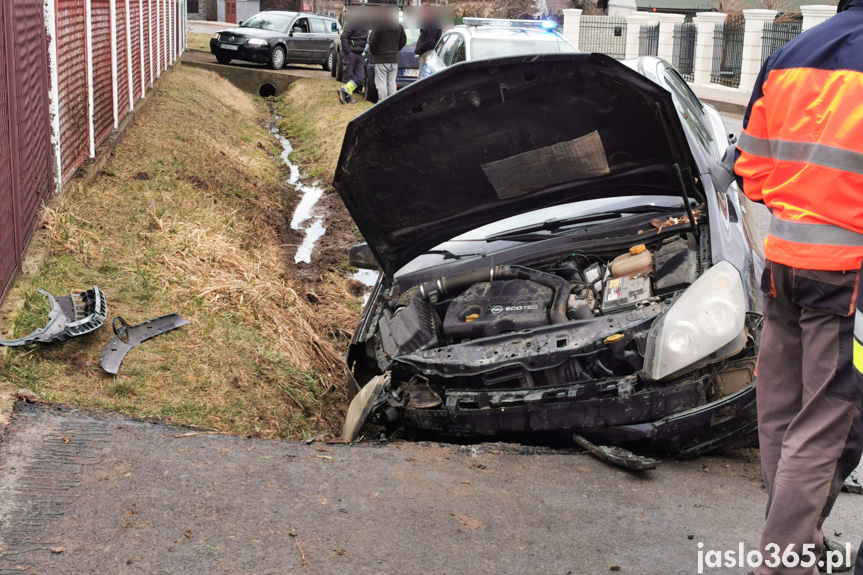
{"points": [[7, 403], [249, 80]]}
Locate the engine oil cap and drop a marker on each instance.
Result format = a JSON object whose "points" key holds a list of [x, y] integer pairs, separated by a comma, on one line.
{"points": [[613, 338], [637, 249]]}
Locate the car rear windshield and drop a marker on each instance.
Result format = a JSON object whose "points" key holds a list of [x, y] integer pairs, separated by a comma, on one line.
{"points": [[264, 21], [484, 49]]}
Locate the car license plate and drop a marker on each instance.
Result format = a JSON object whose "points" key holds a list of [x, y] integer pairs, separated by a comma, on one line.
{"points": [[411, 72], [229, 47]]}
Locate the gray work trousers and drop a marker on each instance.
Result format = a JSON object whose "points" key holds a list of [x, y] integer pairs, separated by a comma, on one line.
{"points": [[809, 403], [385, 79]]}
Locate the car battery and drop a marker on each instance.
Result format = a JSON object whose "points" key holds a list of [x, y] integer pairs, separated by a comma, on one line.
{"points": [[622, 293]]}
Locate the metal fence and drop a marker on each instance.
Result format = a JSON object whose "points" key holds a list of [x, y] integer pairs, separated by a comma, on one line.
{"points": [[70, 71], [26, 175], [728, 52], [683, 55], [648, 41], [105, 55], [603, 34], [776, 35]]}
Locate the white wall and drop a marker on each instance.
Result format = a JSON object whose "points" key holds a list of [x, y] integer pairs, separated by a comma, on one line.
{"points": [[247, 8], [621, 8]]}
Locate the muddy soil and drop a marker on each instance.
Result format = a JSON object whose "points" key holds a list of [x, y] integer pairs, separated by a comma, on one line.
{"points": [[330, 252]]}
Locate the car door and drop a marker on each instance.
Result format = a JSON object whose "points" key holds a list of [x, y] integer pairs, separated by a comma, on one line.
{"points": [[320, 40], [453, 47], [434, 63], [300, 40], [459, 51]]}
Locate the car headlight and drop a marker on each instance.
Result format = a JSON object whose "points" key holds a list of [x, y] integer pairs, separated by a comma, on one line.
{"points": [[704, 325], [257, 42], [216, 36]]}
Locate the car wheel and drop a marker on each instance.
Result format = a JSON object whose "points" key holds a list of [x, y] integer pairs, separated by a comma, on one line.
{"points": [[277, 58], [369, 88], [339, 67], [328, 63], [223, 59]]}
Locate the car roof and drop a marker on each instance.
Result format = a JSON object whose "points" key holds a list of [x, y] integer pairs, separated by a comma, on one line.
{"points": [[647, 66], [291, 13], [506, 32]]}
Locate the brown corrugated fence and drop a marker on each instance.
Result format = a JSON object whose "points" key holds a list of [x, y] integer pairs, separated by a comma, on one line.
{"points": [[70, 71]]}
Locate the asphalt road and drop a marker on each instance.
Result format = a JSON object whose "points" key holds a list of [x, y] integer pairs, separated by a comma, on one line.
{"points": [[90, 493]]}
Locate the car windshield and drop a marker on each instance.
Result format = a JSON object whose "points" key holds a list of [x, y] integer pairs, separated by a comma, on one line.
{"points": [[265, 21], [484, 49]]}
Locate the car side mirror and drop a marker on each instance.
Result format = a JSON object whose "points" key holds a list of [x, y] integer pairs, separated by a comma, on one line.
{"points": [[296, 31], [361, 257], [241, 23]]}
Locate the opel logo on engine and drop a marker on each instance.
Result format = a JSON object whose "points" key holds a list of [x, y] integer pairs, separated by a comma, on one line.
{"points": [[497, 309]]}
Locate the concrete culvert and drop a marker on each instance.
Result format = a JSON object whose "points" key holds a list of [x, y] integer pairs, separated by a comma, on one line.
{"points": [[267, 90]]}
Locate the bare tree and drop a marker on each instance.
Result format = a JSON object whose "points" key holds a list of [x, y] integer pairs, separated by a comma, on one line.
{"points": [[493, 8], [588, 7], [736, 7]]}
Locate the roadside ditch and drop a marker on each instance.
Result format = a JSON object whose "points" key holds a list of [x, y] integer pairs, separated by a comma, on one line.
{"points": [[193, 215]]}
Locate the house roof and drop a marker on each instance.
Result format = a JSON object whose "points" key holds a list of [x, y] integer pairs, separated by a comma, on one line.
{"points": [[682, 6], [675, 5]]}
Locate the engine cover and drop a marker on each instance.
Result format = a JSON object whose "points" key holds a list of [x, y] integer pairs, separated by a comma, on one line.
{"points": [[489, 308]]}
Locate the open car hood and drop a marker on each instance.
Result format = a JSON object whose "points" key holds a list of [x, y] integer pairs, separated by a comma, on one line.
{"points": [[486, 140]]}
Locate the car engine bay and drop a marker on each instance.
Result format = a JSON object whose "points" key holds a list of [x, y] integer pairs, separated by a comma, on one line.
{"points": [[431, 322], [589, 342]]}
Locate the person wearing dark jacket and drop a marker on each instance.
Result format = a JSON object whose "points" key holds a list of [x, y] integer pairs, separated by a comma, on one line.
{"points": [[385, 46], [429, 36], [801, 154], [353, 42]]}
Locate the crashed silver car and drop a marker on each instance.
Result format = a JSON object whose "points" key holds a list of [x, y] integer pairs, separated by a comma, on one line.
{"points": [[560, 253]]}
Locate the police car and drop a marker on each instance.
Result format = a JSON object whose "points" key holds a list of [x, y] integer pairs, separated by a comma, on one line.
{"points": [[484, 38]]}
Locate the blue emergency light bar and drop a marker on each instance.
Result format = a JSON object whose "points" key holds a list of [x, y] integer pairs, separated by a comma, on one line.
{"points": [[504, 23]]}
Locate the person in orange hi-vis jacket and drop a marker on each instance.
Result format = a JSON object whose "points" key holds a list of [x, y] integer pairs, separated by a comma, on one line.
{"points": [[801, 154]]}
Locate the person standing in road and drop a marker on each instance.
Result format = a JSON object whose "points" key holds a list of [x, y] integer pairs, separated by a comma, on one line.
{"points": [[801, 154], [385, 46], [430, 33], [353, 42], [857, 354]]}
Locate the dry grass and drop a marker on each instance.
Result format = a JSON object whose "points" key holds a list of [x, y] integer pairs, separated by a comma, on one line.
{"points": [[316, 124], [186, 218], [197, 41]]}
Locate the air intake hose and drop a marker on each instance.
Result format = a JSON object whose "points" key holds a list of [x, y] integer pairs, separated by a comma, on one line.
{"points": [[440, 288]]}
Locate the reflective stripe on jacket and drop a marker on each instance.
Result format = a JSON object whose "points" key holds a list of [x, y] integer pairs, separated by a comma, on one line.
{"points": [[858, 335], [801, 151]]}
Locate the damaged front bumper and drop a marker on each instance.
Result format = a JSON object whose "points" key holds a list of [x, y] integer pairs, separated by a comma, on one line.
{"points": [[70, 316], [712, 411]]}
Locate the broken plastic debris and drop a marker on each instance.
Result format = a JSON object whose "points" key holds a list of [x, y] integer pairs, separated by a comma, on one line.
{"points": [[128, 336], [852, 484], [617, 455], [70, 316], [362, 405]]}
